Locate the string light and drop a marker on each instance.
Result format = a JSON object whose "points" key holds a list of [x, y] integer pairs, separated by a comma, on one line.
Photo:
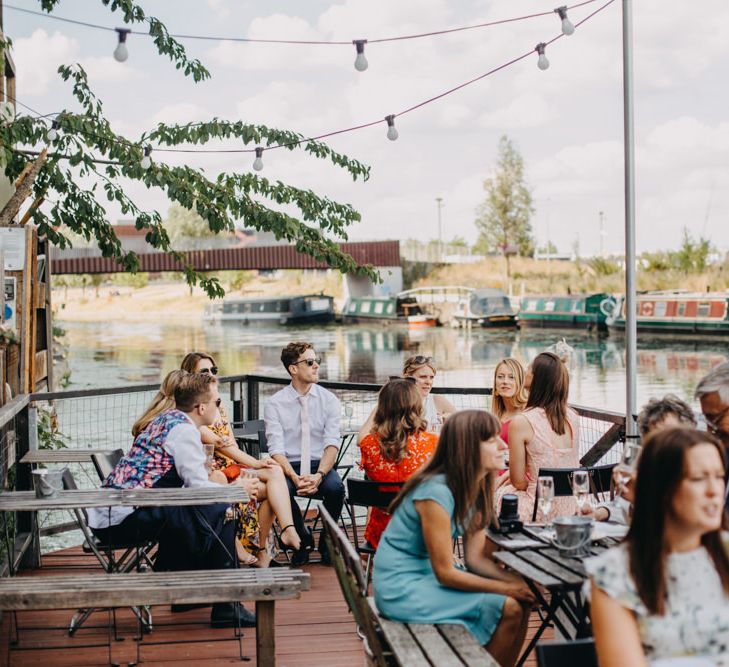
{"points": [[53, 132], [258, 162], [121, 52], [567, 27], [543, 61], [146, 162], [392, 133], [360, 62], [7, 112]]}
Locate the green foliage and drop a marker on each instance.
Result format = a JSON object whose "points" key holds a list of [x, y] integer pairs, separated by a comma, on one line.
{"points": [[87, 151], [49, 437], [549, 249], [691, 257], [655, 262], [503, 218], [237, 279], [185, 223], [136, 280], [603, 267]]}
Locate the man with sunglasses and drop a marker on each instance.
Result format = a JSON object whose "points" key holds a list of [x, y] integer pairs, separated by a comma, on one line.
{"points": [[168, 452], [302, 431], [713, 393]]}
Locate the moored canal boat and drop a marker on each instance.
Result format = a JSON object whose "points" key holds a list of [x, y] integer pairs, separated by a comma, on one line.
{"points": [[489, 308], [305, 309], [394, 309], [676, 312], [567, 311]]}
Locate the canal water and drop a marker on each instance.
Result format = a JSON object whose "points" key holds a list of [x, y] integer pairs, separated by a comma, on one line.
{"points": [[117, 353]]}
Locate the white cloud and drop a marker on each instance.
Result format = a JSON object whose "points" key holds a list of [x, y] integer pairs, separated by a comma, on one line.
{"points": [[527, 110], [37, 58]]}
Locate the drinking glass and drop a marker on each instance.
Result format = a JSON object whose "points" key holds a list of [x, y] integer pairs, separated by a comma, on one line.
{"points": [[625, 470], [546, 496], [349, 412], [209, 455], [581, 489]]}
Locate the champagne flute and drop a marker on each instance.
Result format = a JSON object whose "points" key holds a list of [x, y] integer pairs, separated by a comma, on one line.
{"points": [[209, 456], [546, 496], [581, 488], [349, 412], [625, 470]]}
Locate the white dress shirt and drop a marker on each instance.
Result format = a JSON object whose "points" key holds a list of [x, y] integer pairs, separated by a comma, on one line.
{"points": [[184, 445], [282, 413]]}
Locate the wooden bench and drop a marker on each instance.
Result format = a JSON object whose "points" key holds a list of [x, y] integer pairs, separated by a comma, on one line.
{"points": [[162, 588], [389, 642], [78, 455]]}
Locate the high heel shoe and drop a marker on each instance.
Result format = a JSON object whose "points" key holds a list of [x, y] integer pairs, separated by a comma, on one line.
{"points": [[286, 547]]}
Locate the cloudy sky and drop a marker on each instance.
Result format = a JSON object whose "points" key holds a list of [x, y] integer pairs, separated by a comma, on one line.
{"points": [[567, 121]]}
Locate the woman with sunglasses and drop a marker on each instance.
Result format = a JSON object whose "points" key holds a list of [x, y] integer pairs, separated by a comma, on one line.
{"points": [[232, 461], [664, 592], [397, 446]]}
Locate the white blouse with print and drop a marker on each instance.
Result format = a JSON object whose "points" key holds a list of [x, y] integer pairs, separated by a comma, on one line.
{"points": [[696, 622]]}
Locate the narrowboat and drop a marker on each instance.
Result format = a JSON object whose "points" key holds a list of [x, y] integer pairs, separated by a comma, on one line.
{"points": [[394, 309], [676, 312], [567, 311], [305, 309], [489, 308]]}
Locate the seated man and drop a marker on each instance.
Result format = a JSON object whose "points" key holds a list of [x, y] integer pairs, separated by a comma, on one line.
{"points": [[168, 452], [302, 430]]}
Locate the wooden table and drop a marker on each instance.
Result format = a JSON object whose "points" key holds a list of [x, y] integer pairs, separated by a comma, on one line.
{"points": [[542, 565], [69, 455]]}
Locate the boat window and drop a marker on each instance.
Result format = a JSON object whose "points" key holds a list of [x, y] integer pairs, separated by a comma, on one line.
{"points": [[549, 306], [379, 307], [681, 308], [660, 310], [532, 304], [704, 309], [577, 306], [352, 308], [390, 308], [318, 304], [366, 307]]}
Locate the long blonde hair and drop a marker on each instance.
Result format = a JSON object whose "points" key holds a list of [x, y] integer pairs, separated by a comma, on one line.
{"points": [[399, 414], [521, 395], [164, 400]]}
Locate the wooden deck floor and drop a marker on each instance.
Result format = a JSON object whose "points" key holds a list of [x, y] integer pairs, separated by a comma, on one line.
{"points": [[315, 630]]}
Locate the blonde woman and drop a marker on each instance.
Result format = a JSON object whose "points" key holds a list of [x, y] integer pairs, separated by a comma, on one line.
{"points": [[397, 446], [164, 400], [274, 494], [509, 396]]}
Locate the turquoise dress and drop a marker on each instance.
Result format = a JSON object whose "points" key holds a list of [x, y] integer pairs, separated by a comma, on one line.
{"points": [[405, 585]]}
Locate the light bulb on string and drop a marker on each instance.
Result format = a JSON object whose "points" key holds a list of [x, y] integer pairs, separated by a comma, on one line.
{"points": [[146, 162], [7, 112], [258, 162], [360, 62], [121, 52], [392, 132], [53, 132], [542, 62], [567, 27]]}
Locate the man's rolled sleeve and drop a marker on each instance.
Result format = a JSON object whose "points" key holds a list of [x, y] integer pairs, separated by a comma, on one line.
{"points": [[274, 430], [184, 445], [332, 432]]}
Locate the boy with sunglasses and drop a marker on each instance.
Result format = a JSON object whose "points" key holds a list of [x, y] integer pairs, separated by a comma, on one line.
{"points": [[302, 431]]}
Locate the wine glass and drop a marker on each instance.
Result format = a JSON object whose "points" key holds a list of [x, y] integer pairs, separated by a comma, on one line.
{"points": [[546, 496], [581, 489], [209, 456], [625, 470], [349, 412]]}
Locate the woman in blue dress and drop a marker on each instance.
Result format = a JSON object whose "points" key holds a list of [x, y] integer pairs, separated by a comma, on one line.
{"points": [[416, 579]]}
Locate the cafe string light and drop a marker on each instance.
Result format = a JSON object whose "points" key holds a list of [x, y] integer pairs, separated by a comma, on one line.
{"points": [[258, 162], [121, 52], [53, 132], [146, 162], [542, 61], [392, 133], [360, 62], [567, 27]]}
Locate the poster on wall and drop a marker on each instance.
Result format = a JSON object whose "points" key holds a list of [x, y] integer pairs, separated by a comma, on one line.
{"points": [[12, 244]]}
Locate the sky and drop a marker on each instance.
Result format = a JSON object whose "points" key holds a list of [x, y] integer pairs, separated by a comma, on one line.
{"points": [[567, 121]]}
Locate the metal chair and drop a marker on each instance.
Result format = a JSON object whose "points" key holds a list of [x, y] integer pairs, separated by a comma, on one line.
{"points": [[105, 463], [253, 446], [600, 482], [367, 493], [558, 654]]}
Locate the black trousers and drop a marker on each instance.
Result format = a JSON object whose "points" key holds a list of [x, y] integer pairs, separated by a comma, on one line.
{"points": [[331, 492]]}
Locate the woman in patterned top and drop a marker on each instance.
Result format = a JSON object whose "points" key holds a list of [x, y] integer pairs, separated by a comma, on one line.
{"points": [[397, 446], [274, 494], [664, 592]]}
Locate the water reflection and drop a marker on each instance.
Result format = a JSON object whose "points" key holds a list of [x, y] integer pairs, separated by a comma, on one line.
{"points": [[106, 354]]}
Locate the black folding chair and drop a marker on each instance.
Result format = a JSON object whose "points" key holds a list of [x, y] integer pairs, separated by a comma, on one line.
{"points": [[367, 493], [134, 556], [105, 463], [600, 482], [559, 654], [243, 432]]}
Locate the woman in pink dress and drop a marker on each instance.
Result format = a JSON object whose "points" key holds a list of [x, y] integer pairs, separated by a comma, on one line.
{"points": [[509, 393], [545, 435]]}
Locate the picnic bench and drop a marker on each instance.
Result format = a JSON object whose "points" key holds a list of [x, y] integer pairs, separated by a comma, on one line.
{"points": [[162, 588], [389, 642]]}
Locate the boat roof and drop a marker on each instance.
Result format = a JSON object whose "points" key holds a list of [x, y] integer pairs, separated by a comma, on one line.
{"points": [[259, 299], [685, 294], [489, 291], [574, 295]]}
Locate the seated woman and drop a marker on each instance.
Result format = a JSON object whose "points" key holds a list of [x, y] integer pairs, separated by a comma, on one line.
{"points": [[664, 592], [274, 494], [416, 579], [545, 435], [397, 446], [509, 393], [436, 408]]}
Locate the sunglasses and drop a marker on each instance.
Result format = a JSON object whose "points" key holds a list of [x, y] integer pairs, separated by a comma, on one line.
{"points": [[218, 402], [713, 422], [213, 370], [423, 360], [308, 362]]}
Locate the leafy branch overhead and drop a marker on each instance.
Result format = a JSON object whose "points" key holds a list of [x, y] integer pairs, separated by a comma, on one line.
{"points": [[88, 163]]}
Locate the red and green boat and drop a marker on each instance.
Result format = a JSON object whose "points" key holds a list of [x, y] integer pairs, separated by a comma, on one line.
{"points": [[566, 311], [676, 312]]}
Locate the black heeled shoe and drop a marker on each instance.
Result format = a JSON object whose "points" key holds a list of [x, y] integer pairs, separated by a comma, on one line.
{"points": [[301, 555]]}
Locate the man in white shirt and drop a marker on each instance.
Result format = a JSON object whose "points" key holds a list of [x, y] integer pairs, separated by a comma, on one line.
{"points": [[169, 453], [302, 431]]}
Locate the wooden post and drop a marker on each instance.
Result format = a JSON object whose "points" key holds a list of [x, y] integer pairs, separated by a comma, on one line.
{"points": [[265, 633]]}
